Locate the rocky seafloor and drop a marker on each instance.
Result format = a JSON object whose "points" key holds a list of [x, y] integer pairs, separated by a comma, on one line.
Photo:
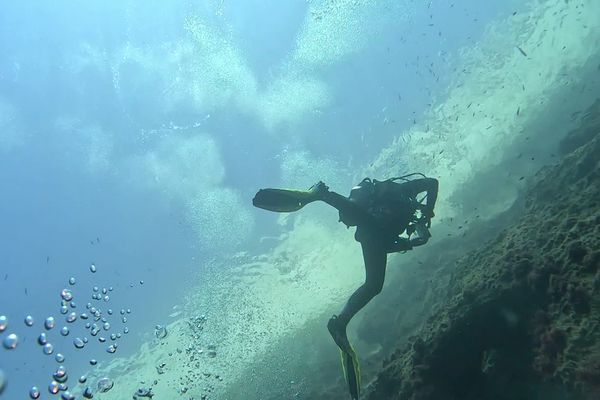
{"points": [[517, 317]]}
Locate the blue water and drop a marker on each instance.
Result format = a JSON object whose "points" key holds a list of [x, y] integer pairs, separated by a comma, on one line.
{"points": [[62, 210]]}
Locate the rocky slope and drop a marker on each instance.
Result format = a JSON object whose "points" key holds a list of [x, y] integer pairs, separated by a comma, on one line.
{"points": [[520, 315]]}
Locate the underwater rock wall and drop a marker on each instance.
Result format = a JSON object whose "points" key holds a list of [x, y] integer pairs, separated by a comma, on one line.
{"points": [[519, 318]]}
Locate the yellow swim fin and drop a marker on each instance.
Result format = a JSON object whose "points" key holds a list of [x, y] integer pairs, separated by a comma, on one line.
{"points": [[351, 372], [282, 200]]}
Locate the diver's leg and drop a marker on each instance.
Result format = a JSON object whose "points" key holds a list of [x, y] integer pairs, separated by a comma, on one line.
{"points": [[375, 258], [346, 206]]}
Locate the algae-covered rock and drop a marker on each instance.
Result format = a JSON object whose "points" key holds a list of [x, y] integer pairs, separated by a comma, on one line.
{"points": [[520, 318]]}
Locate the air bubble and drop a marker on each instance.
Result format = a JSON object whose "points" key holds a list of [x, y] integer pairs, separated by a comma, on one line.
{"points": [[64, 331], [48, 349], [72, 280], [10, 342], [53, 387], [42, 340], [78, 343], [104, 385], [93, 268], [34, 393], [66, 294], [29, 320], [3, 323], [72, 317], [49, 323], [59, 357]]}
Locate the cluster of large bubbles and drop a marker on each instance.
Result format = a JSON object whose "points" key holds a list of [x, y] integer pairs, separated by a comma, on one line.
{"points": [[101, 323]]}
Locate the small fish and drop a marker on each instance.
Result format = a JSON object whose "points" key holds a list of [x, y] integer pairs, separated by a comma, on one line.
{"points": [[518, 110], [47, 259], [521, 50], [5, 276], [521, 178], [26, 294]]}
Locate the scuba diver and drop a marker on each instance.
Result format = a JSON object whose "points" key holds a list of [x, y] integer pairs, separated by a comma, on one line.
{"points": [[381, 211]]}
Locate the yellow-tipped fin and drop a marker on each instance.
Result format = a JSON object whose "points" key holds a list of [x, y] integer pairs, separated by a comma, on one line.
{"points": [[282, 200]]}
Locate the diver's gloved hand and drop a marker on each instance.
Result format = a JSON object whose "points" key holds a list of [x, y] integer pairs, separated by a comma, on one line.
{"points": [[427, 215], [421, 234], [318, 190]]}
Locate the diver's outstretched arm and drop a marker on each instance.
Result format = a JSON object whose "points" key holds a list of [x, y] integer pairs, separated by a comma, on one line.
{"points": [[429, 185]]}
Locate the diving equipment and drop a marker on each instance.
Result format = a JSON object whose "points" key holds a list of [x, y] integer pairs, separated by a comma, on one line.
{"points": [[288, 200], [350, 366]]}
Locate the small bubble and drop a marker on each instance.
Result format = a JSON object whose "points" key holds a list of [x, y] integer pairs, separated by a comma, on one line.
{"points": [[88, 305], [119, 335], [71, 280], [111, 349], [72, 317], [122, 311], [110, 289], [83, 316], [29, 320], [106, 326], [106, 298], [53, 387], [64, 331], [109, 311], [49, 323], [60, 374], [64, 310], [104, 290], [66, 294], [102, 339], [87, 393], [104, 385], [11, 341], [95, 288], [85, 339], [59, 357], [141, 282], [93, 361], [48, 349], [62, 387], [93, 268], [78, 343], [126, 330], [67, 396], [87, 325], [42, 340], [73, 304], [3, 323], [34, 392], [113, 336], [129, 311], [82, 379], [124, 319]]}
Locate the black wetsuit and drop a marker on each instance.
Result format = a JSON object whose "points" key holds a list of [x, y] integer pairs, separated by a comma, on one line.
{"points": [[377, 240]]}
